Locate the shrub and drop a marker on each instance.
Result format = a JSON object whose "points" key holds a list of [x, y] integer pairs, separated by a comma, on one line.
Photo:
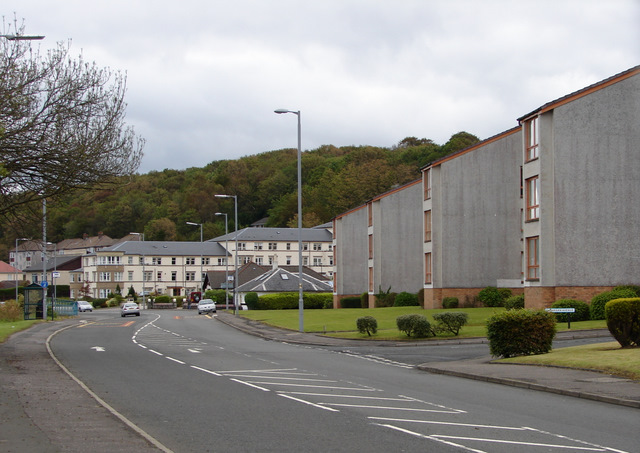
{"points": [[164, 299], [351, 302], [290, 301], [634, 288], [520, 332], [364, 300], [11, 311], [405, 299], [450, 321], [99, 303], [623, 320], [596, 310], [367, 324], [217, 295], [251, 300], [450, 302], [414, 325], [490, 297], [514, 302], [384, 298], [581, 314]]}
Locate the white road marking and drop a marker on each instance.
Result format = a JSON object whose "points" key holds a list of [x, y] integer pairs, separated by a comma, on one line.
{"points": [[309, 403], [251, 385], [98, 348], [176, 360]]}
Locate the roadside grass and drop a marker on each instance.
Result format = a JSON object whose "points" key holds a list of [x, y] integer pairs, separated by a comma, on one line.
{"points": [[605, 357], [9, 327], [342, 323]]}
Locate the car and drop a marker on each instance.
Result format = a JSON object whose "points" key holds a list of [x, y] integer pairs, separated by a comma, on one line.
{"points": [[206, 306], [83, 305], [129, 308]]}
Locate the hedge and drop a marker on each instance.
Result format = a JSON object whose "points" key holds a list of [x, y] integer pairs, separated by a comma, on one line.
{"points": [[581, 313], [596, 309], [623, 320], [290, 301], [405, 299], [514, 302], [450, 302], [521, 332], [351, 302]]}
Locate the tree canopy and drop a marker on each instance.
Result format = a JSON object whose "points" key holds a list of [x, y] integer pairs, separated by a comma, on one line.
{"points": [[62, 126]]}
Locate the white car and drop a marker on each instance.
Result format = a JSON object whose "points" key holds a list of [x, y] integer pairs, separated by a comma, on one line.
{"points": [[206, 306], [129, 308], [83, 305]]}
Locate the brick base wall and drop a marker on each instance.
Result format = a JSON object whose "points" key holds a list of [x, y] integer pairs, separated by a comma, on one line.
{"points": [[536, 297], [467, 297]]}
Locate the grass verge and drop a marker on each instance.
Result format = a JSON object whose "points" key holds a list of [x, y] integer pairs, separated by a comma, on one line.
{"points": [[605, 357], [9, 327]]}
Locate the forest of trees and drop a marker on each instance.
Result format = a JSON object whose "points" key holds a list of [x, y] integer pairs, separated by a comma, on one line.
{"points": [[160, 203]]}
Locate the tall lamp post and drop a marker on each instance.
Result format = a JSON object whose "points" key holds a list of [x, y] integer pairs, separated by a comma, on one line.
{"points": [[15, 262], [300, 294], [144, 299], [226, 259], [201, 279], [235, 281]]}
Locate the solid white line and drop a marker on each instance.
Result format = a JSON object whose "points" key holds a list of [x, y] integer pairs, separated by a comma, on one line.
{"points": [[313, 386], [364, 406], [176, 360], [431, 422], [279, 377], [365, 397], [424, 436], [515, 442], [251, 385], [309, 403], [205, 370], [271, 370], [142, 346], [100, 401]]}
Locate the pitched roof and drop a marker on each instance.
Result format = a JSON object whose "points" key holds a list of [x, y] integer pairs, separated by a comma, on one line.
{"points": [[167, 248], [60, 262], [277, 234], [6, 268]]}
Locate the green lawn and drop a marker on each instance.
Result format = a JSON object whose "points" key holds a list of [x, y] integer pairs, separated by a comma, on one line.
{"points": [[607, 357], [9, 327], [342, 323]]}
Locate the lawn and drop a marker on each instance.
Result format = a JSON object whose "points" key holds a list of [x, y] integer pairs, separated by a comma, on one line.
{"points": [[342, 323], [606, 357], [9, 327]]}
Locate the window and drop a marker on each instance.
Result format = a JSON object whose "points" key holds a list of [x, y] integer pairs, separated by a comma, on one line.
{"points": [[370, 279], [205, 261], [257, 246], [242, 246], [130, 260], [148, 276], [244, 259], [130, 276], [159, 276], [331, 260], [371, 246], [117, 277], [141, 260], [370, 214], [156, 260], [190, 276], [305, 246], [271, 260], [533, 198], [317, 247], [427, 184], [259, 260], [427, 226], [222, 261], [531, 134], [427, 267], [190, 260], [273, 246], [288, 245], [105, 276], [174, 276], [533, 258], [305, 261], [317, 261], [173, 260], [288, 261]]}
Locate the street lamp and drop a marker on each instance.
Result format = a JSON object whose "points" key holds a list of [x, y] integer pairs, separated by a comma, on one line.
{"points": [[53, 277], [15, 262], [22, 37], [300, 295], [235, 283], [226, 259], [144, 300], [200, 225]]}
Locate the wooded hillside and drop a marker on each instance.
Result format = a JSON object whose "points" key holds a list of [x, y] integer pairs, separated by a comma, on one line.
{"points": [[160, 203]]}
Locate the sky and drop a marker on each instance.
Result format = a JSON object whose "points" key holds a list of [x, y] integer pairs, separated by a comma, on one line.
{"points": [[205, 76]]}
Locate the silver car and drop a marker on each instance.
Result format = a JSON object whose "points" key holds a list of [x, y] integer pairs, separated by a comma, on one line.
{"points": [[206, 306], [129, 308], [83, 305]]}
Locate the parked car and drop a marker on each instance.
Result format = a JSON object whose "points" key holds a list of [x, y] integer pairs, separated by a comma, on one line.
{"points": [[129, 308], [83, 305], [206, 306]]}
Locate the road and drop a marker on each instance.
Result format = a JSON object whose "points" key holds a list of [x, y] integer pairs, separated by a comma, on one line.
{"points": [[195, 384]]}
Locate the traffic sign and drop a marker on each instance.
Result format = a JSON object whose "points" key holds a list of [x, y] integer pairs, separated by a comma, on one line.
{"points": [[561, 310], [44, 283], [55, 274]]}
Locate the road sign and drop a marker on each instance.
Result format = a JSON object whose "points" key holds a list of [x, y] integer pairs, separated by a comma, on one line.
{"points": [[44, 283], [55, 274], [561, 310]]}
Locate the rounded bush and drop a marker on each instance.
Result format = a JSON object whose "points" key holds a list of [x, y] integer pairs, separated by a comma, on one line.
{"points": [[405, 299], [514, 302], [251, 300], [623, 320], [490, 297], [164, 299], [596, 309], [450, 302], [367, 324], [450, 321], [581, 314], [521, 332], [414, 325]]}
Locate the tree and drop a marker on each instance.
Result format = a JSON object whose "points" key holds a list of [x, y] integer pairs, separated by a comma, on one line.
{"points": [[61, 125]]}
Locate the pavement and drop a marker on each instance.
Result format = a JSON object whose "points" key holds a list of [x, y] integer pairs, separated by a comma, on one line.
{"points": [[43, 409]]}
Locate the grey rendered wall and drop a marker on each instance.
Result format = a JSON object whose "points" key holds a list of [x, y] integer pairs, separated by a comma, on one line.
{"points": [[479, 228], [398, 236], [595, 209], [352, 253]]}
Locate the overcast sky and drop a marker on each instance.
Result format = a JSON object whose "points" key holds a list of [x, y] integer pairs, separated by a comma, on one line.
{"points": [[204, 76]]}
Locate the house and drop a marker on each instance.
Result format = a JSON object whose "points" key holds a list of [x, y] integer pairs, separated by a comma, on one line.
{"points": [[542, 208], [57, 270], [8, 273], [279, 246]]}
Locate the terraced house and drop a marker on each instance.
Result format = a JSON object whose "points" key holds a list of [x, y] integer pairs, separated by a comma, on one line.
{"points": [[545, 208]]}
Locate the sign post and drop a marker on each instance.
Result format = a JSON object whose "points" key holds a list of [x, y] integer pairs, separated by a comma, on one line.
{"points": [[568, 311]]}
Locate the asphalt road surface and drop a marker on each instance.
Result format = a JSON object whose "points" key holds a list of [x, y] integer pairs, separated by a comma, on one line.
{"points": [[194, 384]]}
